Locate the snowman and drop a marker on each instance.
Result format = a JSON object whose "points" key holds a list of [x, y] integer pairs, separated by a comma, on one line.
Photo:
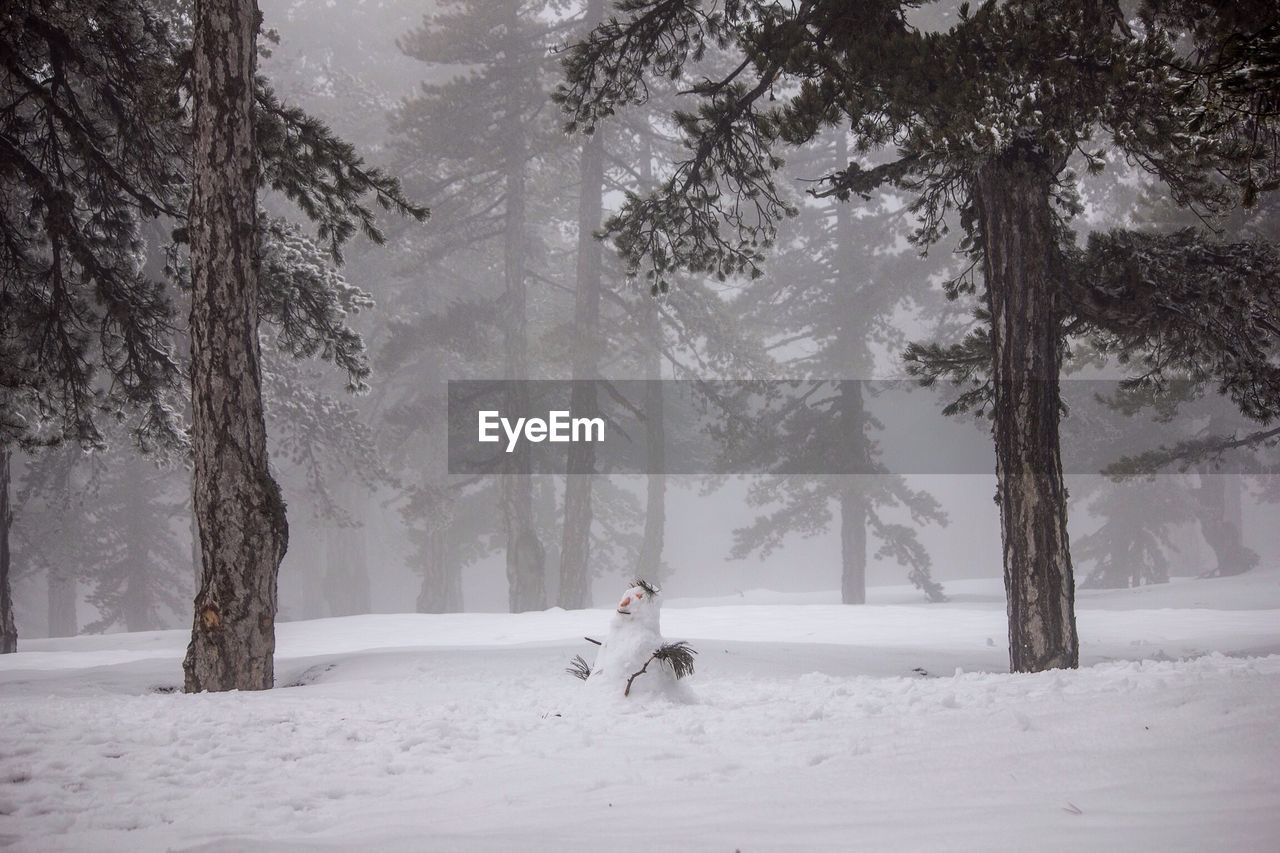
{"points": [[634, 659]]}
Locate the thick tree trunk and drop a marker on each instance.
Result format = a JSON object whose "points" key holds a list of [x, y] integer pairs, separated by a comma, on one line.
{"points": [[8, 628], [1017, 230], [575, 546], [240, 512], [526, 558]]}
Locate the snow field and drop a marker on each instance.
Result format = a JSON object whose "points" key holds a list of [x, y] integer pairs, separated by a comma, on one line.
{"points": [[811, 731]]}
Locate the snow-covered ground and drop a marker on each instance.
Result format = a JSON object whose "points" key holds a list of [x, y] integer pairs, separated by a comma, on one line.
{"points": [[817, 727]]}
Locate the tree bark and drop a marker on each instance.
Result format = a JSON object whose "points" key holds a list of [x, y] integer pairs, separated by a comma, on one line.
{"points": [[526, 558], [240, 512], [1012, 193], [575, 547], [197, 565], [8, 628]]}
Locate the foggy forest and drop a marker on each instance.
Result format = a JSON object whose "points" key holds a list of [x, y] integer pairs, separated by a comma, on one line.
{"points": [[934, 349]]}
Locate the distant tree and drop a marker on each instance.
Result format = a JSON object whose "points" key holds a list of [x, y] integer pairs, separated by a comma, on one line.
{"points": [[137, 578], [985, 118], [823, 308], [52, 495], [1132, 545], [574, 590], [475, 142]]}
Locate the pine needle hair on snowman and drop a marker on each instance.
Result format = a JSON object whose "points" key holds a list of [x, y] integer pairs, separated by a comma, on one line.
{"points": [[634, 656]]}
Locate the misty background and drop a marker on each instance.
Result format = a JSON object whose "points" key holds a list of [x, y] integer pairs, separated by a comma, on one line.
{"points": [[102, 541]]}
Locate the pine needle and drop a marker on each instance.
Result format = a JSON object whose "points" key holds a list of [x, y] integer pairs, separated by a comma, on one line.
{"points": [[646, 586], [579, 668], [679, 656]]}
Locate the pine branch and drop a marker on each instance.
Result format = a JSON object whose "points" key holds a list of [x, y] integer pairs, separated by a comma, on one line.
{"points": [[579, 668], [646, 586], [679, 656]]}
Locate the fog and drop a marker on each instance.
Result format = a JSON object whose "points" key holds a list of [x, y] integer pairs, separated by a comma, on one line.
{"points": [[378, 524]]}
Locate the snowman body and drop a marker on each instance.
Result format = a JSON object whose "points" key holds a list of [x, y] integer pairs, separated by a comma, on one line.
{"points": [[634, 635]]}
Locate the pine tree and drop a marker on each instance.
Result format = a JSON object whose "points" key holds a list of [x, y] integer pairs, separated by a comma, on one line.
{"points": [[136, 575], [478, 140], [1132, 545], [984, 117], [51, 537], [94, 155], [574, 591], [832, 290]]}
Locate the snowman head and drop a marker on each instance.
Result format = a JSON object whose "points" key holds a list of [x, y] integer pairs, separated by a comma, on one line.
{"points": [[639, 605]]}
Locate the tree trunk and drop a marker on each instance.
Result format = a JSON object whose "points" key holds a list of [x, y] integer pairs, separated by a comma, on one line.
{"points": [[853, 497], [240, 512], [546, 508], [575, 546], [526, 559], [649, 564], [854, 354], [1012, 193], [1220, 525], [853, 545], [139, 605], [441, 581], [8, 628], [63, 620], [307, 555], [346, 577]]}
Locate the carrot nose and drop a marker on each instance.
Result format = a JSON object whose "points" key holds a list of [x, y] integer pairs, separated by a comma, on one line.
{"points": [[624, 602]]}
